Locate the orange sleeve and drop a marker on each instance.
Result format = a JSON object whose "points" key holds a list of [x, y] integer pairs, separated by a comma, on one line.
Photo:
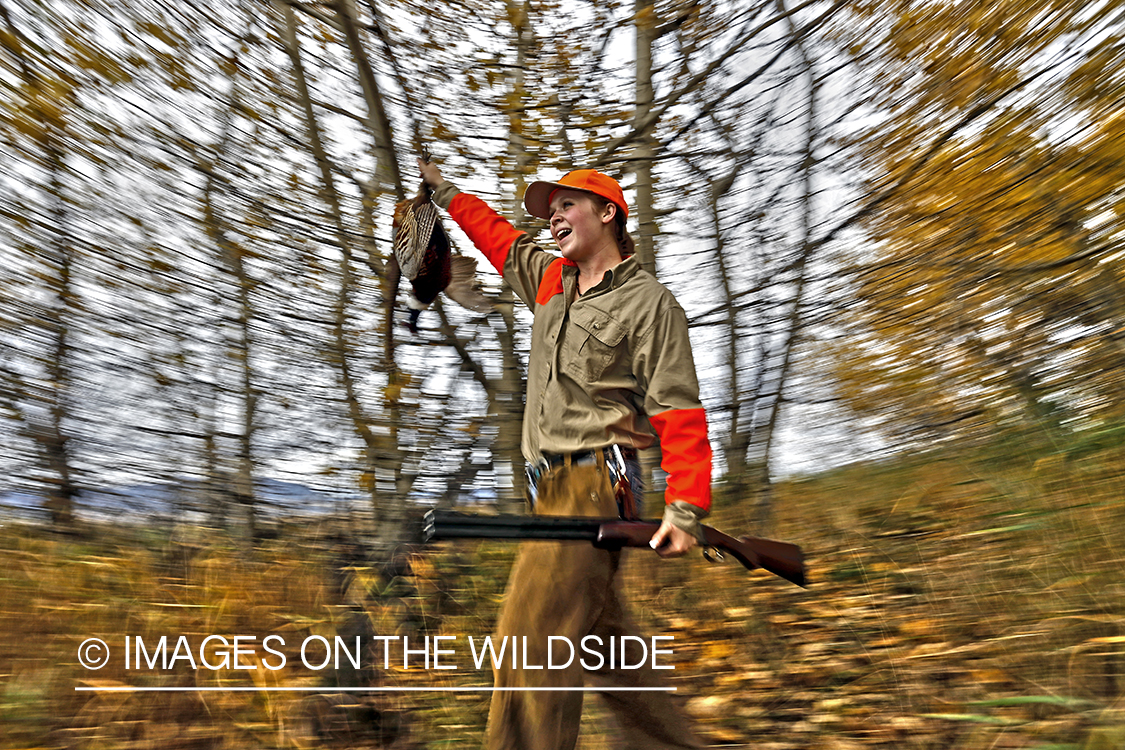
{"points": [[492, 234], [685, 455]]}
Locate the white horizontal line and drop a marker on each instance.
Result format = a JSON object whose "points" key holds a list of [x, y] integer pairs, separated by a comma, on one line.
{"points": [[129, 689]]}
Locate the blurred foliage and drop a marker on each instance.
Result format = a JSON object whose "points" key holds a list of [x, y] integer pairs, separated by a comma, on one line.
{"points": [[992, 296], [957, 600]]}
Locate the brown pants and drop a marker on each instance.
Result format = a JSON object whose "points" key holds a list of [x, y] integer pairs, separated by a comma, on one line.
{"points": [[569, 589]]}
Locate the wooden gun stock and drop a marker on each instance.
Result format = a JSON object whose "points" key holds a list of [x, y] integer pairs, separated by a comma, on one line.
{"points": [[780, 558]]}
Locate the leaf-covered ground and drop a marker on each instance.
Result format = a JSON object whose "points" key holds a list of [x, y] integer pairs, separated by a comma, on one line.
{"points": [[952, 604]]}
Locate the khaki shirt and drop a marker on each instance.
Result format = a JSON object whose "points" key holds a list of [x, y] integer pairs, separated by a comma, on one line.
{"points": [[601, 361], [604, 365]]}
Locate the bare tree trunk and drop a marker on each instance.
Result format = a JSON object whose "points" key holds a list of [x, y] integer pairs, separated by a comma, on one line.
{"points": [[231, 258], [499, 400], [48, 431], [391, 530], [764, 506], [378, 123], [644, 24], [379, 451], [213, 493], [737, 441], [53, 439], [508, 400]]}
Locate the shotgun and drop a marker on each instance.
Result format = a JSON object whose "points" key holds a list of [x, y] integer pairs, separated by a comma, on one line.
{"points": [[780, 558]]}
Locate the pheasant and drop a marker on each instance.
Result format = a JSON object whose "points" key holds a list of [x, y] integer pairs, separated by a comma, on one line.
{"points": [[425, 258]]}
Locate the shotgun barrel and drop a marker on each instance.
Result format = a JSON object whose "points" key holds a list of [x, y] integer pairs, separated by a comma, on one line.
{"points": [[780, 558]]}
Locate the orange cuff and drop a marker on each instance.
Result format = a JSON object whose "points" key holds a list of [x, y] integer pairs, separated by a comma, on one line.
{"points": [[685, 455]]}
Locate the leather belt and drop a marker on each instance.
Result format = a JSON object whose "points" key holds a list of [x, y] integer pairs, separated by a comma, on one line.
{"points": [[549, 461]]}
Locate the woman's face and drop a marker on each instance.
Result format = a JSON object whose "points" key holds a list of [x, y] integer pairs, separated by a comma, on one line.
{"points": [[579, 227]]}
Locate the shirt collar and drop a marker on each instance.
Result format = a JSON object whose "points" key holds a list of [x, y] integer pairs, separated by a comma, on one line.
{"points": [[618, 275], [624, 271]]}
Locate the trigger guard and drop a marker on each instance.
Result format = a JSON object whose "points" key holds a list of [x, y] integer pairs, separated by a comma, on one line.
{"points": [[712, 555]]}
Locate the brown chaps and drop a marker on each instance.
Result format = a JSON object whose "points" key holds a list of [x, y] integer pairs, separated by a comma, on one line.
{"points": [[569, 589]]}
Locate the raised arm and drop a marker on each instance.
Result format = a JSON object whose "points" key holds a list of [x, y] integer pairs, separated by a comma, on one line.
{"points": [[511, 252]]}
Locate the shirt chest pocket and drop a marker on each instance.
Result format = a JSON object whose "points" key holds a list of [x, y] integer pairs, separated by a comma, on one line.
{"points": [[596, 342]]}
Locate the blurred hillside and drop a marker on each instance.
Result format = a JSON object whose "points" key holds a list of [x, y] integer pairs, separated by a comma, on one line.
{"points": [[181, 501], [956, 601]]}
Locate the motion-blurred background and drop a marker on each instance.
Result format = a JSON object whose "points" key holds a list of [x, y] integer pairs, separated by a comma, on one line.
{"points": [[895, 227]]}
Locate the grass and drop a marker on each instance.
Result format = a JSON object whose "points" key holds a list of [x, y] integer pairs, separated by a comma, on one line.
{"points": [[954, 603]]}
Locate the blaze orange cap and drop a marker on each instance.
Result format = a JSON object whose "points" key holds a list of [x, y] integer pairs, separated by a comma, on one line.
{"points": [[537, 197]]}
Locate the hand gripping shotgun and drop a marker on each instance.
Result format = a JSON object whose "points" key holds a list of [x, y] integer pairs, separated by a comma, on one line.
{"points": [[780, 558]]}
